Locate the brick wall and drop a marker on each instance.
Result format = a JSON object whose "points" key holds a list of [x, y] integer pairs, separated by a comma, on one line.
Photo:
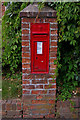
{"points": [[14, 108], [38, 94]]}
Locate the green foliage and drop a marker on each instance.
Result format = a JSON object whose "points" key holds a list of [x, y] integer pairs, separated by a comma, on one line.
{"points": [[11, 27], [68, 58]]}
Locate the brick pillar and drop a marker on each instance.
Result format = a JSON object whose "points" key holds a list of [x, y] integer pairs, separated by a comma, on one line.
{"points": [[39, 90]]}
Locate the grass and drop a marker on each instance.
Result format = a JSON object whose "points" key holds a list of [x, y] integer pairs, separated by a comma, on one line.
{"points": [[12, 86]]}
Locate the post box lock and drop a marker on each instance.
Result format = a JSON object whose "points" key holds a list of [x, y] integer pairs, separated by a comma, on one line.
{"points": [[39, 47]]}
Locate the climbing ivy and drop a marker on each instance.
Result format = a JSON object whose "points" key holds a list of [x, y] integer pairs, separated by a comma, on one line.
{"points": [[68, 58], [11, 26]]}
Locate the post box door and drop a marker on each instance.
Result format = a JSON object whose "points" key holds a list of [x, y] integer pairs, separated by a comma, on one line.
{"points": [[39, 47], [40, 56]]}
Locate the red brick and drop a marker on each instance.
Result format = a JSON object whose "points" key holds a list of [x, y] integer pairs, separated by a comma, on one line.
{"points": [[54, 26], [52, 49], [52, 59], [26, 91], [39, 111], [53, 54], [52, 66], [25, 25], [50, 116], [51, 101], [53, 43], [25, 55], [8, 106], [39, 86], [26, 71], [14, 106], [39, 92], [25, 31], [37, 116], [25, 43], [25, 66], [39, 97], [25, 60], [53, 31], [39, 81], [39, 101], [18, 105], [39, 20], [25, 107], [28, 76], [25, 37], [25, 49], [50, 86], [52, 71], [29, 86], [54, 37], [50, 20], [52, 91], [3, 106], [26, 82], [40, 76], [28, 20], [52, 81]]}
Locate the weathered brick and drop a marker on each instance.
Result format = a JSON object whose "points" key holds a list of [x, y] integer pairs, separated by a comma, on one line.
{"points": [[25, 31], [39, 81], [39, 101], [25, 65], [39, 86], [51, 101], [52, 60], [27, 98], [26, 91], [25, 37], [25, 55], [38, 111], [29, 87], [53, 43], [53, 31], [14, 106], [52, 91], [52, 71], [53, 49], [39, 20], [25, 25], [3, 106], [49, 86], [28, 20], [50, 116], [18, 105], [54, 37], [25, 43], [53, 54], [39, 97], [52, 81], [26, 82], [26, 71], [8, 106], [26, 60], [50, 20], [25, 49], [53, 66], [53, 26], [39, 92]]}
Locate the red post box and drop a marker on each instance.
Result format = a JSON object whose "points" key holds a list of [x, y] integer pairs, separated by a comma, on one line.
{"points": [[39, 47]]}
